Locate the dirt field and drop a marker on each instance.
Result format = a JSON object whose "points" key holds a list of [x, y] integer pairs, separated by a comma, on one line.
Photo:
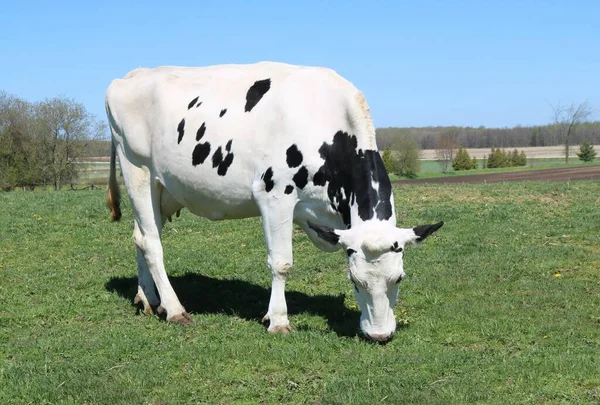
{"points": [[566, 174]]}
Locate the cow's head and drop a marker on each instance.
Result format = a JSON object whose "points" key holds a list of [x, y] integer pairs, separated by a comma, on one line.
{"points": [[375, 257]]}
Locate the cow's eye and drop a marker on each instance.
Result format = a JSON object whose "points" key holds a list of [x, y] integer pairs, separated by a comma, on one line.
{"points": [[399, 279]]}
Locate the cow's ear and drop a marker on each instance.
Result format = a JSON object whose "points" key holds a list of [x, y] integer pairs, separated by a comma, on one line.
{"points": [[326, 233], [423, 231]]}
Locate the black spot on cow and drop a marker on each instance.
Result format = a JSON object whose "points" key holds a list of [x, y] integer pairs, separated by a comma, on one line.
{"points": [[199, 104], [224, 166], [217, 157], [350, 252], [201, 152], [268, 179], [349, 175], [180, 130], [223, 111], [228, 146], [256, 92], [201, 131], [396, 248], [289, 189], [193, 102], [301, 177], [293, 156]]}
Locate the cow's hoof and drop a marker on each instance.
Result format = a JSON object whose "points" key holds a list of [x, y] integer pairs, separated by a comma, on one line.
{"points": [[280, 329], [181, 319], [147, 308]]}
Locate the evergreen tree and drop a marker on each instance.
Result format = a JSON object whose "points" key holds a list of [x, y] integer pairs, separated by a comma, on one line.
{"points": [[513, 158], [463, 161], [498, 158], [502, 158], [491, 161], [522, 159], [586, 151]]}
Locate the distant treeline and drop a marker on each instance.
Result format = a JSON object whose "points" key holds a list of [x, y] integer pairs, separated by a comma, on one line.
{"points": [[481, 137]]}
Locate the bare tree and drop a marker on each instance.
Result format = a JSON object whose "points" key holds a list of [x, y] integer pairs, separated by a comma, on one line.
{"points": [[445, 148], [567, 119], [63, 128]]}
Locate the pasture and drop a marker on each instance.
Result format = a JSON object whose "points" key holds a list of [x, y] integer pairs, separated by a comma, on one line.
{"points": [[501, 305]]}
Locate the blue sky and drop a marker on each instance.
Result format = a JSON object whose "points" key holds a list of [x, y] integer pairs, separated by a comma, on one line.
{"points": [[419, 63]]}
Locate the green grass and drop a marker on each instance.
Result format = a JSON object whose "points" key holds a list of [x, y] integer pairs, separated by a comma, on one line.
{"points": [[502, 306], [431, 168]]}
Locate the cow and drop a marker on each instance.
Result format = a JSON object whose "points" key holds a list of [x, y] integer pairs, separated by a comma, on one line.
{"points": [[291, 144]]}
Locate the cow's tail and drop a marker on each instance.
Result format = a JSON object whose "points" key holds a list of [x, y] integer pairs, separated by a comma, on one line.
{"points": [[113, 195]]}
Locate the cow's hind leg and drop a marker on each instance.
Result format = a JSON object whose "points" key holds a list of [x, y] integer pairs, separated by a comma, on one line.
{"points": [[277, 212], [144, 194], [146, 294]]}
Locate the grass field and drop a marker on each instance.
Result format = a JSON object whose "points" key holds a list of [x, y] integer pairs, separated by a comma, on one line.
{"points": [[501, 306]]}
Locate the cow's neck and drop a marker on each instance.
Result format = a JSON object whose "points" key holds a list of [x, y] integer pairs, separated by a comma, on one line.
{"points": [[372, 192], [357, 184]]}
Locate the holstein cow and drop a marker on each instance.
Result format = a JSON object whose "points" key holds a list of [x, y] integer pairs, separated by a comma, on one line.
{"points": [[291, 144]]}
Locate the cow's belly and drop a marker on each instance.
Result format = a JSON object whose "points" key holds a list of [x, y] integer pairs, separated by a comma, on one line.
{"points": [[209, 197]]}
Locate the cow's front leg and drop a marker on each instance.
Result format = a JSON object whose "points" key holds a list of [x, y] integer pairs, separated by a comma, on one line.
{"points": [[277, 312], [277, 212]]}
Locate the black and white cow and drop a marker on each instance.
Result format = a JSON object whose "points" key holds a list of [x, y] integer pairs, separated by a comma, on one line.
{"points": [[291, 144]]}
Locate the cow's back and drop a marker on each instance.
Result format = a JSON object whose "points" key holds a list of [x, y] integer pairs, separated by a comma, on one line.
{"points": [[208, 134]]}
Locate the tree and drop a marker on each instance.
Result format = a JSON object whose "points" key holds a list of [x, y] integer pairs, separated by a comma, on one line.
{"points": [[586, 153], [522, 159], [19, 164], [567, 119], [536, 137], [388, 160], [463, 160], [62, 127], [409, 154], [497, 158], [513, 158], [445, 148]]}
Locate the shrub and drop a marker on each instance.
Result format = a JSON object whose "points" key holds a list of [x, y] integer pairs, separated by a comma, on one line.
{"points": [[388, 160]]}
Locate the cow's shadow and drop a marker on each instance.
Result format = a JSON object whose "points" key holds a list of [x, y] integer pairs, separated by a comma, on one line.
{"points": [[206, 295]]}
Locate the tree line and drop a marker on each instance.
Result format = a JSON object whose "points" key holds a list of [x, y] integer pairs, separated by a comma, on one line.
{"points": [[481, 137], [42, 142], [568, 124]]}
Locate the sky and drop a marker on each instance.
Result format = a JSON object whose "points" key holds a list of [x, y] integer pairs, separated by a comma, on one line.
{"points": [[419, 63]]}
